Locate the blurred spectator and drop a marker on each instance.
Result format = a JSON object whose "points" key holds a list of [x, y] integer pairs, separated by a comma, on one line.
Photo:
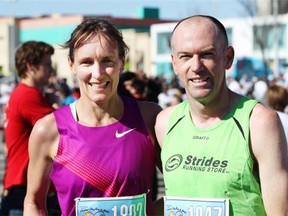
{"points": [[153, 89], [137, 89], [259, 89], [125, 82], [176, 99], [66, 96], [76, 92], [277, 99], [25, 107], [246, 85], [164, 99], [6, 87], [51, 94], [234, 85]]}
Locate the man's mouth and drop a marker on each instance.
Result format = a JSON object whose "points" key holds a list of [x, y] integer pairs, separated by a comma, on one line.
{"points": [[199, 80]]}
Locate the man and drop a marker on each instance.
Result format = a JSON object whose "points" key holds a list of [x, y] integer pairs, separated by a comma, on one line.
{"points": [[25, 106], [218, 144]]}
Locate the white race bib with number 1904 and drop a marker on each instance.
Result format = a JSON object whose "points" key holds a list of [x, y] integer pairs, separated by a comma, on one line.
{"points": [[112, 206], [176, 206]]}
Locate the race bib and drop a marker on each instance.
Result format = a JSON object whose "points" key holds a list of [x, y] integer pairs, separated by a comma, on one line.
{"points": [[182, 206], [112, 206]]}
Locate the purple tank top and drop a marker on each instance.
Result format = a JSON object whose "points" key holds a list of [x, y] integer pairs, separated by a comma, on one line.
{"points": [[108, 161]]}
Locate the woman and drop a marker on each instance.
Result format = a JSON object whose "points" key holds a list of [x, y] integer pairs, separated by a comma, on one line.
{"points": [[102, 145]]}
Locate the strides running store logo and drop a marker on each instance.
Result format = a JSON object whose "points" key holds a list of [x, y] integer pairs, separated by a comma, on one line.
{"points": [[173, 162], [193, 163]]}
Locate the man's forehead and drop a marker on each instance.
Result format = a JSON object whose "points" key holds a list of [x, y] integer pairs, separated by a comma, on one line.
{"points": [[196, 21]]}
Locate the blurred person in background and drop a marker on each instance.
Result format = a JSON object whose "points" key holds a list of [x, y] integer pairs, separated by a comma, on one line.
{"points": [[276, 97], [176, 99], [259, 89], [66, 95], [26, 105]]}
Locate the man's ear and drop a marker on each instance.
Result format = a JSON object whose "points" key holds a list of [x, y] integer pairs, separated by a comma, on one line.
{"points": [[30, 68], [175, 69], [229, 57]]}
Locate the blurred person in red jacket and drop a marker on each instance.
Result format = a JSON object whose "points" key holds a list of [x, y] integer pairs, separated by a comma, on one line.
{"points": [[25, 106]]}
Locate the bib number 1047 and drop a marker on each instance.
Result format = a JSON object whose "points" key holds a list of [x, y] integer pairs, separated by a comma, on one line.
{"points": [[207, 211], [195, 206]]}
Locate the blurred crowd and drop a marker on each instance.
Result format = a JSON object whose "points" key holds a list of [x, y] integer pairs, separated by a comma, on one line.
{"points": [[141, 87], [58, 92]]}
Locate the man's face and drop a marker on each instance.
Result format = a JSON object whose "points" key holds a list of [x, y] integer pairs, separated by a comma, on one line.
{"points": [[199, 58], [44, 70]]}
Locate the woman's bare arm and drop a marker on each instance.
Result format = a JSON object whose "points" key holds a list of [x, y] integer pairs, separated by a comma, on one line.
{"points": [[43, 144]]}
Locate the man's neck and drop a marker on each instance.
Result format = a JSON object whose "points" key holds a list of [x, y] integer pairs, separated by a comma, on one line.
{"points": [[31, 83]]}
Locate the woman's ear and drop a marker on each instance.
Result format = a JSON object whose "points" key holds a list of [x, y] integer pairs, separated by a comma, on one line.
{"points": [[122, 67], [71, 65]]}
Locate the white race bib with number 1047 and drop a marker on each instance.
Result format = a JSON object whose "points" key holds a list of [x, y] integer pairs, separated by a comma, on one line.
{"points": [[112, 206], [176, 206]]}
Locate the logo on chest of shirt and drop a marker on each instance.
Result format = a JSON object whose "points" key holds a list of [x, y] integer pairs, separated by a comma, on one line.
{"points": [[173, 162], [123, 133], [194, 163]]}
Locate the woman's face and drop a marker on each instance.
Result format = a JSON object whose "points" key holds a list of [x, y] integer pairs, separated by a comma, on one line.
{"points": [[97, 66]]}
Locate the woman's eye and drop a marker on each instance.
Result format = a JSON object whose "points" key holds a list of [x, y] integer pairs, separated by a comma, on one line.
{"points": [[86, 62], [108, 62]]}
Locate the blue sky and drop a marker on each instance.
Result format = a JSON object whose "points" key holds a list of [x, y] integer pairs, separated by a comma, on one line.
{"points": [[169, 9]]}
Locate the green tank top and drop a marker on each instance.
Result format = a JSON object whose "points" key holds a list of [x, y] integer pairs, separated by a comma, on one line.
{"points": [[213, 162]]}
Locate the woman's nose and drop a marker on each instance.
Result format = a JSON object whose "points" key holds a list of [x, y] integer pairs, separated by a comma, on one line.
{"points": [[96, 70]]}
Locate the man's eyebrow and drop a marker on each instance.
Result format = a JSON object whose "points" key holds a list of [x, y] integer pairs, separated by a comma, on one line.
{"points": [[210, 48]]}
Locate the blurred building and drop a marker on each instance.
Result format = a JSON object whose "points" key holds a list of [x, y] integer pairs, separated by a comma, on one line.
{"points": [[8, 42], [56, 29], [267, 7], [262, 38]]}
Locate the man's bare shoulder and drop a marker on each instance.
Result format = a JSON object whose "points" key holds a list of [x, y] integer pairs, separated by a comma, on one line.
{"points": [[166, 113], [267, 133], [263, 114]]}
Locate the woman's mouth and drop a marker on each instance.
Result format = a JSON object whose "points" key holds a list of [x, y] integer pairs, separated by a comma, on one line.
{"points": [[99, 86]]}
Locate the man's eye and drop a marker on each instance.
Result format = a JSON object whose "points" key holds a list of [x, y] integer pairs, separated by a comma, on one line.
{"points": [[184, 57], [208, 55]]}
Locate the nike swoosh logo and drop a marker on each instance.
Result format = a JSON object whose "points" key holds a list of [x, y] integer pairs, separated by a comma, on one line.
{"points": [[119, 135]]}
